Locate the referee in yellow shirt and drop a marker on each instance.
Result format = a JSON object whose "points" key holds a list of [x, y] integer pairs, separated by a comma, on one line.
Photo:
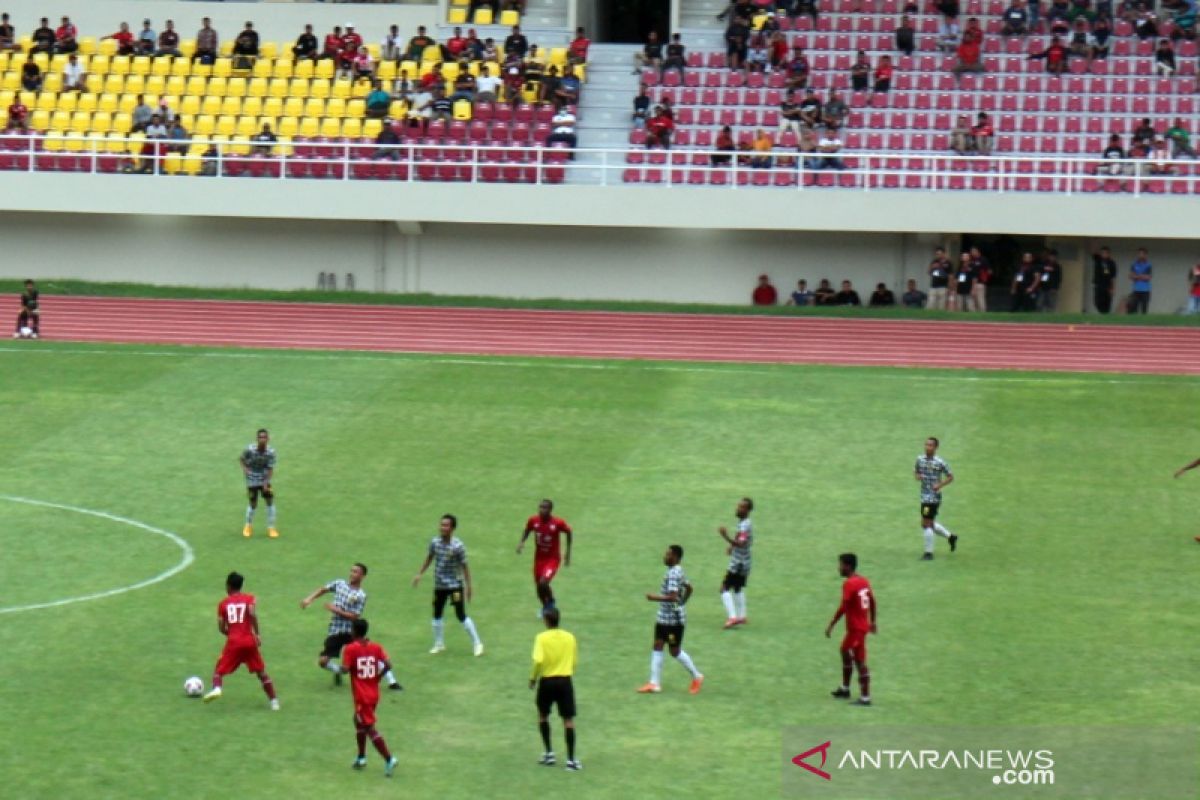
{"points": [[554, 655]]}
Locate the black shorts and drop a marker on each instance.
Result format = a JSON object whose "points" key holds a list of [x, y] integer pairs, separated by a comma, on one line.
{"points": [[334, 643], [266, 491], [735, 581], [963, 289], [929, 510], [556, 691], [671, 634], [455, 597]]}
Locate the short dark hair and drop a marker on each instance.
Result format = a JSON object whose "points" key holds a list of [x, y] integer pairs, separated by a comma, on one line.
{"points": [[548, 502], [361, 566], [749, 503], [263, 430], [551, 615], [849, 559], [453, 520], [359, 627], [935, 441], [234, 580], [677, 550]]}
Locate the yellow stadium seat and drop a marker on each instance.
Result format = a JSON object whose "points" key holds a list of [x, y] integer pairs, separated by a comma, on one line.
{"points": [[411, 67], [156, 84], [342, 89], [293, 107], [28, 99], [58, 63], [319, 87], [81, 121], [11, 81], [108, 102], [289, 126], [114, 84], [46, 102], [176, 85], [210, 104], [309, 127], [262, 68], [140, 65], [193, 163], [253, 106], [135, 144], [126, 103], [457, 16], [106, 47], [581, 72], [42, 60], [245, 127], [231, 106], [352, 128], [102, 122], [93, 83], [5, 59], [67, 101], [483, 16], [187, 48], [222, 68], [87, 45], [758, 20], [397, 109], [76, 142], [119, 65], [87, 101], [60, 120], [303, 69], [462, 109], [218, 87], [460, 2], [226, 126], [161, 66], [450, 70], [558, 57], [226, 48], [278, 87], [172, 163], [237, 149], [257, 87], [299, 87], [323, 69], [314, 107], [356, 109], [335, 107], [282, 69], [135, 84], [331, 128], [6, 97], [122, 123], [39, 120], [26, 42], [198, 143], [180, 66], [387, 70], [372, 127], [284, 147], [237, 87], [269, 49], [52, 82], [206, 124], [510, 18], [53, 142], [197, 86]]}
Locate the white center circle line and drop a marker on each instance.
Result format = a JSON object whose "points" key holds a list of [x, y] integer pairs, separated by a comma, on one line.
{"points": [[184, 563]]}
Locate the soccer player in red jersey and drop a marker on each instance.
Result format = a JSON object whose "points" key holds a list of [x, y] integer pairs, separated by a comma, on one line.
{"points": [[858, 604], [546, 560], [367, 662], [237, 619]]}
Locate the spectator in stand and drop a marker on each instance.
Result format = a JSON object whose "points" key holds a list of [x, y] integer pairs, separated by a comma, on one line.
{"points": [[549, 88], [379, 101], [964, 279], [1057, 13], [762, 150], [906, 36], [883, 75], [146, 39], [416, 45], [8, 34], [724, 148], [306, 45], [1015, 19], [811, 109], [487, 86], [264, 140], [577, 51], [1104, 279], [387, 139], [44, 38], [797, 68], [122, 37], [801, 297], [1099, 37], [563, 130], [440, 107], [74, 77], [824, 294], [758, 56], [834, 112], [1055, 56], [949, 35], [351, 44], [650, 56], [882, 297], [659, 129], [789, 114], [1146, 26], [514, 81], [641, 107], [1034, 13], [1144, 132], [913, 297], [860, 72], [65, 38], [567, 91], [809, 7], [1024, 285], [402, 87], [420, 110], [490, 53], [983, 135], [737, 40], [778, 47], [808, 146], [363, 65], [961, 141], [1160, 156], [764, 294], [178, 136], [516, 42], [982, 271], [18, 116], [535, 70], [1164, 58], [141, 115], [743, 8], [1180, 139], [828, 147], [168, 41], [456, 46], [970, 50], [676, 56], [331, 47], [433, 78], [1049, 281], [846, 296], [1081, 43], [391, 47], [939, 279], [31, 76], [1140, 274], [207, 42]]}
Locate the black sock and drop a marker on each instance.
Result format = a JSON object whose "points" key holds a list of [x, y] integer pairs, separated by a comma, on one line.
{"points": [[570, 744], [544, 727]]}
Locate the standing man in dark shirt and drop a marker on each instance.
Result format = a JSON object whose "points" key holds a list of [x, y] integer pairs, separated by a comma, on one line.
{"points": [[30, 316], [906, 36], [1025, 279], [651, 54], [1104, 280], [983, 276], [1049, 281], [737, 39], [676, 55], [964, 281], [516, 42], [939, 279]]}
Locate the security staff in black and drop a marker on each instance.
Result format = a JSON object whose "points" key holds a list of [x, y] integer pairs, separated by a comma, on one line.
{"points": [[1104, 280]]}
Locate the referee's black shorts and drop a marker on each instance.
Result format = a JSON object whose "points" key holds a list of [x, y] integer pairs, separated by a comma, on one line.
{"points": [[556, 691]]}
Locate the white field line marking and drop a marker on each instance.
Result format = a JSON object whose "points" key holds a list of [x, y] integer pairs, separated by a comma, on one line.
{"points": [[892, 371], [184, 563]]}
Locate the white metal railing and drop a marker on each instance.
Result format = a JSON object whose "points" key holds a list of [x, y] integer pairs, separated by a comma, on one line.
{"points": [[482, 162]]}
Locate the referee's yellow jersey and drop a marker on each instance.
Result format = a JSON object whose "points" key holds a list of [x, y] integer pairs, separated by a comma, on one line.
{"points": [[554, 654]]}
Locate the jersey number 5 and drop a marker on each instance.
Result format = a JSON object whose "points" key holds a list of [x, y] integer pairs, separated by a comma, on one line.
{"points": [[235, 612], [365, 667]]}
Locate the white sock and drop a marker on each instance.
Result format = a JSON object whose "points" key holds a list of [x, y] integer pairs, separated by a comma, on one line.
{"points": [[271, 515], [656, 667], [334, 667], [438, 627], [941, 530], [249, 514], [686, 660], [928, 534], [469, 626], [391, 679], [727, 599], [740, 599]]}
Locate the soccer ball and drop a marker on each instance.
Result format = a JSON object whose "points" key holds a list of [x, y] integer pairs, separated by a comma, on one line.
{"points": [[193, 687], [26, 332]]}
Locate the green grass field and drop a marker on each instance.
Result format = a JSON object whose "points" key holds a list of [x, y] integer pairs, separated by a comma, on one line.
{"points": [[1068, 603]]}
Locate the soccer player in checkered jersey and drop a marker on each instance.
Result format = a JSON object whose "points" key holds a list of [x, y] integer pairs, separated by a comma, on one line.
{"points": [[449, 555], [258, 465], [366, 662], [546, 560], [1185, 468], [670, 624], [237, 620], [349, 600], [858, 606], [934, 475], [733, 588]]}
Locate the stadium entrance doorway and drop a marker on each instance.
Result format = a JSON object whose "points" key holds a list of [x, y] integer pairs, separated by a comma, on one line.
{"points": [[1003, 253], [629, 21]]}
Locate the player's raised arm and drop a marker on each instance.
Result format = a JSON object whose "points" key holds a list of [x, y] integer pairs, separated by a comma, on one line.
{"points": [[1185, 468], [425, 566], [306, 602]]}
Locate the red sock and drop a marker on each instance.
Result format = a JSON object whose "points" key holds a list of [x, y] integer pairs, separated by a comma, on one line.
{"points": [[216, 682], [267, 684], [864, 680], [360, 734], [847, 669], [379, 743]]}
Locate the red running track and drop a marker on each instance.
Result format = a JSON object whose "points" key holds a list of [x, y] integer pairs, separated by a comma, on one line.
{"points": [[594, 334]]}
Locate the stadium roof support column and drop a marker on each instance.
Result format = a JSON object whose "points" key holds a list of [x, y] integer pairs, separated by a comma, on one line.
{"points": [[675, 16]]}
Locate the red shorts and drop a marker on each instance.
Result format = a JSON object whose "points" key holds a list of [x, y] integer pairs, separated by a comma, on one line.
{"points": [[234, 655], [364, 707], [544, 569], [855, 643]]}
